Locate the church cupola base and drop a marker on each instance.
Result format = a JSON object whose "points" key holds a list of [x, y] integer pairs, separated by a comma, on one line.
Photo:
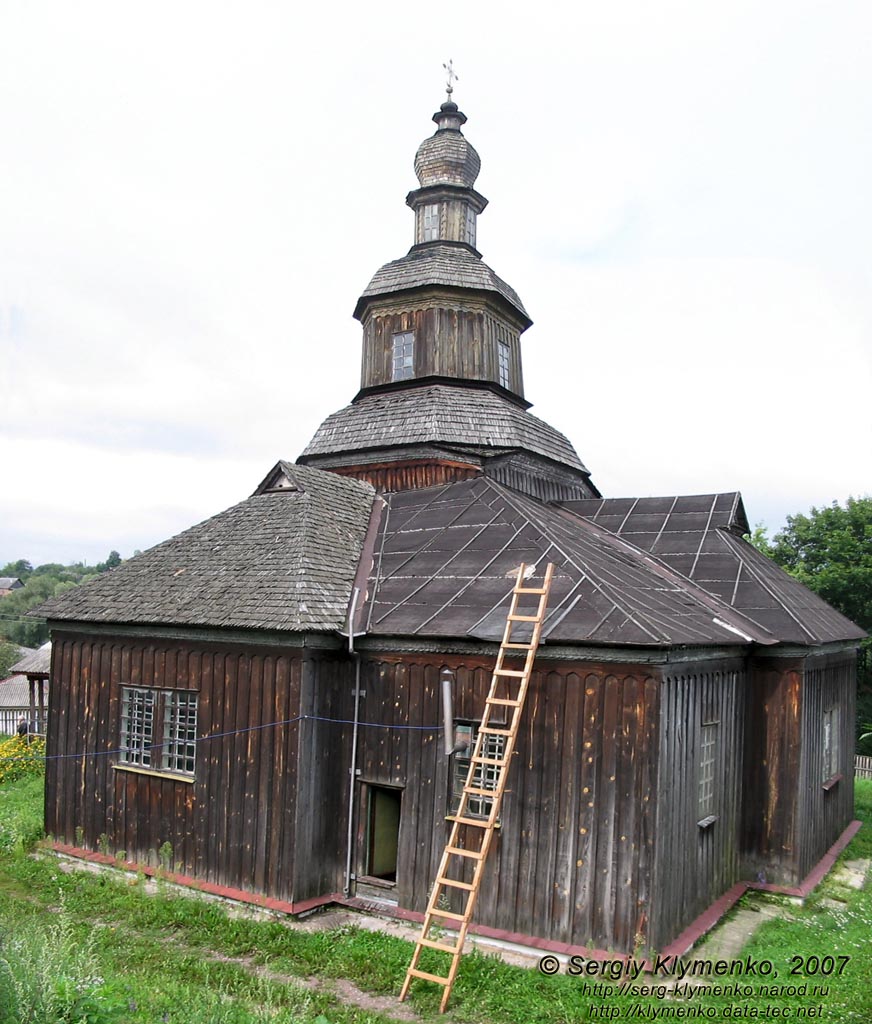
{"points": [[441, 334]]}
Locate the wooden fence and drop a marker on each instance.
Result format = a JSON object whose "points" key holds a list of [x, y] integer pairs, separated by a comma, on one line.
{"points": [[862, 767], [10, 717]]}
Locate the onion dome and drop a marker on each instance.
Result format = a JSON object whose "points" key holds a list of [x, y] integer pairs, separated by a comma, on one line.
{"points": [[446, 158]]}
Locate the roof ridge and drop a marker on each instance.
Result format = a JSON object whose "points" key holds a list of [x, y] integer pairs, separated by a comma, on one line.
{"points": [[599, 584]]}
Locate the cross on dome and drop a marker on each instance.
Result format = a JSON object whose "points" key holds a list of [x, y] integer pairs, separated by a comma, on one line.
{"points": [[452, 77]]}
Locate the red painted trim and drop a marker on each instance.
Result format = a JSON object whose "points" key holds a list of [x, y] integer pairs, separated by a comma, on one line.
{"points": [[224, 891], [685, 941], [813, 878], [706, 921], [709, 918]]}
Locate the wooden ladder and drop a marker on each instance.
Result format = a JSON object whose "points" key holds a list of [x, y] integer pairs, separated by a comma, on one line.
{"points": [[471, 834]]}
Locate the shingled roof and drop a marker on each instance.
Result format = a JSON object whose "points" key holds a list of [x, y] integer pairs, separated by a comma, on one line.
{"points": [[700, 537], [447, 556], [37, 663], [446, 264], [462, 417], [283, 559]]}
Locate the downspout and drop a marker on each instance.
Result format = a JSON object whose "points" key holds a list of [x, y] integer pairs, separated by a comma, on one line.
{"points": [[354, 736]]}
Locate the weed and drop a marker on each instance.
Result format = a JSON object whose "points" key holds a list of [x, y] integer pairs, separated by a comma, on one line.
{"points": [[48, 974], [21, 814], [183, 960], [165, 856]]}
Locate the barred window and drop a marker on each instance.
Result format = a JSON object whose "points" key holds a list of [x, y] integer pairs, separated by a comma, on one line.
{"points": [[503, 357], [158, 729], [431, 222], [485, 776], [469, 227], [137, 725], [831, 753], [180, 731], [404, 353], [708, 744]]}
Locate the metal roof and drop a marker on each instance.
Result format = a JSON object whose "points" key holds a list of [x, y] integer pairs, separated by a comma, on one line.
{"points": [[664, 572], [699, 536], [15, 692], [445, 563]]}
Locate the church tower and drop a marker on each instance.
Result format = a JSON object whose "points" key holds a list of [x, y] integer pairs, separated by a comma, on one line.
{"points": [[440, 311], [441, 387]]}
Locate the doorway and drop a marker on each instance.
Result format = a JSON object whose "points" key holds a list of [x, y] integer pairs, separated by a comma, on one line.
{"points": [[383, 833]]}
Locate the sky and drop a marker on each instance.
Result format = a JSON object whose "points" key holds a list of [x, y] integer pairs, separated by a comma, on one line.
{"points": [[193, 195]]}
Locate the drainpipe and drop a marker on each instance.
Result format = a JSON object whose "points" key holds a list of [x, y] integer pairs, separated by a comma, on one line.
{"points": [[452, 746], [354, 736]]}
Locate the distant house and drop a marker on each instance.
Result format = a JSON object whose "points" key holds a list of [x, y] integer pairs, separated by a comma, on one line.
{"points": [[8, 584], [14, 703], [28, 697], [262, 691]]}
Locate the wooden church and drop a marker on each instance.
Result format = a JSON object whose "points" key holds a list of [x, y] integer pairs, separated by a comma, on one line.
{"points": [[262, 692]]}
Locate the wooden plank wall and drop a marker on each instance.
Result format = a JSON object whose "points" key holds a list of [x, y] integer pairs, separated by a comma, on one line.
{"points": [[790, 820], [828, 680], [449, 342], [235, 823], [547, 482], [410, 474], [323, 776], [771, 770], [694, 866], [571, 859]]}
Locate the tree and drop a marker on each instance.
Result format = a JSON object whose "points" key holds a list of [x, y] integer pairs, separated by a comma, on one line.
{"points": [[830, 551], [14, 623], [110, 563], [20, 569], [9, 654], [40, 584]]}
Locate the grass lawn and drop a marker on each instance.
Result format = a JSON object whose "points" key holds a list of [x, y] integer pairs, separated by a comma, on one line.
{"points": [[97, 948]]}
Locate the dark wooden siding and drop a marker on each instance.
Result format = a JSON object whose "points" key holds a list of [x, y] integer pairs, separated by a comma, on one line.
{"points": [[694, 865], [771, 770], [323, 776], [602, 750], [828, 681], [235, 824], [409, 475], [449, 342], [790, 820], [570, 861], [547, 482]]}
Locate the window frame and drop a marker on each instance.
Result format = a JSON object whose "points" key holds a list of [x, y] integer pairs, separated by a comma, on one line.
{"points": [[831, 747], [485, 774], [431, 219], [157, 731], [402, 355], [707, 762], [469, 227], [504, 363]]}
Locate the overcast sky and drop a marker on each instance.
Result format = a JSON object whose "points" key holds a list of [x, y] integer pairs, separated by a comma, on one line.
{"points": [[193, 195]]}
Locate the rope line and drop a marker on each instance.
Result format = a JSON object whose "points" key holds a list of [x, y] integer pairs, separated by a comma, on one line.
{"points": [[224, 735]]}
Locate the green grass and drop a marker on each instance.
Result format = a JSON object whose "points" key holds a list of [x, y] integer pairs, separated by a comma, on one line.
{"points": [[131, 957], [21, 814]]}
